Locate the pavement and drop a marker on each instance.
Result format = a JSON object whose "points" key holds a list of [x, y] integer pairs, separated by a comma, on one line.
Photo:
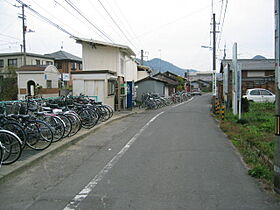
{"points": [[172, 158], [29, 156]]}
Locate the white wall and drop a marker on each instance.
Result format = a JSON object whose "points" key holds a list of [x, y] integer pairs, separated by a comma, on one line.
{"points": [[142, 75], [79, 85], [131, 70], [100, 58]]}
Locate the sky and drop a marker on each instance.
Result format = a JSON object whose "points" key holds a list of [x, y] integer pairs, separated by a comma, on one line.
{"points": [[171, 30]]}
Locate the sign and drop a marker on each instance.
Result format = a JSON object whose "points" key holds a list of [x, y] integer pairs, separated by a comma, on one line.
{"points": [[65, 77], [214, 83], [234, 79]]}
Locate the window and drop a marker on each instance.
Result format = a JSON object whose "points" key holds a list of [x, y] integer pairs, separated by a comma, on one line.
{"points": [[38, 62], [49, 84], [74, 66], [256, 74], [255, 92], [49, 62], [265, 92], [111, 87], [58, 65], [80, 66], [12, 62], [1, 63]]}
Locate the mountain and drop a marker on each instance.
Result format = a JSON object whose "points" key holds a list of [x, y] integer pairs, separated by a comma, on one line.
{"points": [[158, 65]]}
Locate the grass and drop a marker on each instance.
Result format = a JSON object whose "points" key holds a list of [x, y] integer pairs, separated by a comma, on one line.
{"points": [[253, 135]]}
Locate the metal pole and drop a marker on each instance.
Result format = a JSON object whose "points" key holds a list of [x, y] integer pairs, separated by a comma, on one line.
{"points": [[277, 102], [23, 34], [214, 55], [142, 57]]}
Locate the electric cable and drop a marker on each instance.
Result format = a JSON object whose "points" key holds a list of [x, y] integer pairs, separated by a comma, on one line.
{"points": [[116, 24], [80, 13]]}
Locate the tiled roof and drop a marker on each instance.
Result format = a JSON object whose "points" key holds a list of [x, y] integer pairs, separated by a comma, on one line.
{"points": [[151, 78], [62, 55], [96, 42]]}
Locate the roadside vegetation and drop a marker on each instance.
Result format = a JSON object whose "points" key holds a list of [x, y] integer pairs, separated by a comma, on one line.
{"points": [[253, 136]]}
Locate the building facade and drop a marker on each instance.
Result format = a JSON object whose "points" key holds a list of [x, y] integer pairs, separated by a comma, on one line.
{"points": [[108, 68]]}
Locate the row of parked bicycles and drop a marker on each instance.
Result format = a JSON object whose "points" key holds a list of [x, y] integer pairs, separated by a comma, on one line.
{"points": [[155, 101], [36, 124]]}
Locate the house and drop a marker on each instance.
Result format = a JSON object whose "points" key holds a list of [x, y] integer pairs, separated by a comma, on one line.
{"points": [[9, 63], [171, 82], [257, 72], [150, 84], [66, 63], [37, 81], [203, 75], [107, 70]]}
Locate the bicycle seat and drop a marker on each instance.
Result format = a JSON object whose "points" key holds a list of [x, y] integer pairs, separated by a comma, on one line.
{"points": [[39, 113]]}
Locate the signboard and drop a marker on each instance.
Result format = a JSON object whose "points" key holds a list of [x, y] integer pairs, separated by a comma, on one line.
{"points": [[65, 77], [214, 83], [234, 79]]}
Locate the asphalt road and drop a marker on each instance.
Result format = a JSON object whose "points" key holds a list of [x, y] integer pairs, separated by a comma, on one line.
{"points": [[173, 158]]}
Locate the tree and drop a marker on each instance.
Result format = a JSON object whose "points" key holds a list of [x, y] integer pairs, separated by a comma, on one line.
{"points": [[181, 85], [8, 84]]}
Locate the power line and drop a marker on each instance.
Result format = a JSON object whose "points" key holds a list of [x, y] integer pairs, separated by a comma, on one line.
{"points": [[107, 21], [132, 34], [80, 13], [9, 36], [222, 25], [116, 24], [55, 17], [46, 19]]}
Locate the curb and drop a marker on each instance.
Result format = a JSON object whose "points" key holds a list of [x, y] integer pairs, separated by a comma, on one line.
{"points": [[19, 166]]}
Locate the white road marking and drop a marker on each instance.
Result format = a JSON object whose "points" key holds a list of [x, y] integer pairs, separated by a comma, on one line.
{"points": [[75, 202]]}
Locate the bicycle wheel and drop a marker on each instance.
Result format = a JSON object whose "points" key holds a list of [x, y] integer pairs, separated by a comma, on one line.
{"points": [[57, 125], [11, 145], [1, 153], [17, 129], [88, 118], [39, 135], [105, 113], [68, 124], [76, 123]]}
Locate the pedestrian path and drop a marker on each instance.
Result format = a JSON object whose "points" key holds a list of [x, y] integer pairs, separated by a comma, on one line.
{"points": [[30, 157]]}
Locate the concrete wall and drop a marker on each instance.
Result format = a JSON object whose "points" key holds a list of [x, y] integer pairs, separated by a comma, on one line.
{"points": [[79, 86], [131, 70], [40, 78], [100, 58], [142, 75], [150, 86]]}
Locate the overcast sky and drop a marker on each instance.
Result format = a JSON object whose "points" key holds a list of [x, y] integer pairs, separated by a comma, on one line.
{"points": [[172, 30]]}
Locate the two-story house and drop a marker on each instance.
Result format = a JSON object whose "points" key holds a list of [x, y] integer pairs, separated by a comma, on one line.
{"points": [[107, 68], [66, 63], [9, 63]]}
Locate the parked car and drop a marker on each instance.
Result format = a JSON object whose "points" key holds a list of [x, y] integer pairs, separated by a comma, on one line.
{"points": [[196, 91], [259, 95]]}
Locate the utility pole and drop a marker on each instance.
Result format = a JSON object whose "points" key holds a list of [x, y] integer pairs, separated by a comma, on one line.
{"points": [[277, 98], [23, 33], [142, 57], [214, 55]]}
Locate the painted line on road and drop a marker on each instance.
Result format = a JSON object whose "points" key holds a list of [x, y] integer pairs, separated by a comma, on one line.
{"points": [[75, 202]]}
